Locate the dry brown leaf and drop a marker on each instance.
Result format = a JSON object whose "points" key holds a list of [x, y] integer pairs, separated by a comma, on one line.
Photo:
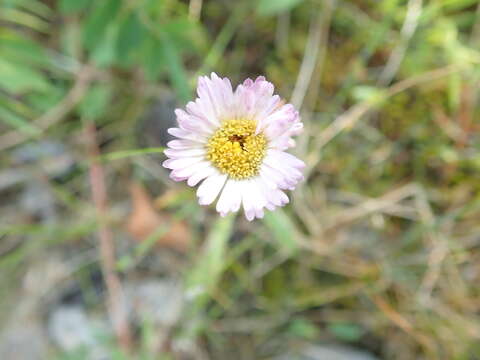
{"points": [[144, 220]]}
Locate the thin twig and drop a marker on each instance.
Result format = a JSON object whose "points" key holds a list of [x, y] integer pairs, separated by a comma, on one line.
{"points": [[436, 257], [225, 35], [315, 50], [414, 9], [449, 127], [55, 114], [439, 244], [115, 297], [393, 209], [400, 321], [194, 9], [282, 31], [371, 206], [352, 115]]}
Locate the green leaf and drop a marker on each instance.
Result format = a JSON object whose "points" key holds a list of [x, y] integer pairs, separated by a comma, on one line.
{"points": [[24, 18], [98, 21], [273, 7], [36, 7], [455, 85], [346, 331], [367, 93], [104, 54], [19, 50], [282, 229], [95, 102], [236, 18], [452, 5], [44, 101], [205, 274], [185, 34], [17, 122], [153, 58], [303, 328], [129, 37], [274, 286], [72, 6], [176, 70], [17, 78]]}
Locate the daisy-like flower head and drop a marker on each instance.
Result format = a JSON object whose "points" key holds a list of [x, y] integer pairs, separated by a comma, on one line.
{"points": [[235, 142]]}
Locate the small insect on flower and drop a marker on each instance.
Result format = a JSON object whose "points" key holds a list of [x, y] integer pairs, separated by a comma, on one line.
{"points": [[235, 142]]}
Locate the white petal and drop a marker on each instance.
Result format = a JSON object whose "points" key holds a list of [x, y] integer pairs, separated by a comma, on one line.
{"points": [[210, 188], [199, 175], [191, 170], [248, 200], [230, 198], [177, 154], [267, 180], [181, 163], [253, 198]]}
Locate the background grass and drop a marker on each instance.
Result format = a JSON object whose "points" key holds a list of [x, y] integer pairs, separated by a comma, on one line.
{"points": [[379, 247]]}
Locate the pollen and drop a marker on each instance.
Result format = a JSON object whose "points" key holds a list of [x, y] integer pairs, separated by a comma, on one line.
{"points": [[236, 150]]}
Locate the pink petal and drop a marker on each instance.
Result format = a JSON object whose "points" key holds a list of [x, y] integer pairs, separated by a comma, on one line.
{"points": [[275, 176], [193, 124], [255, 99], [215, 98], [187, 135], [283, 156], [184, 144]]}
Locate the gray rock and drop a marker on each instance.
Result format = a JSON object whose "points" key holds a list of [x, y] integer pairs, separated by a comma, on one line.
{"points": [[37, 199], [37, 150], [160, 301], [23, 341], [23, 335], [11, 177], [327, 352], [152, 128], [52, 157], [71, 329]]}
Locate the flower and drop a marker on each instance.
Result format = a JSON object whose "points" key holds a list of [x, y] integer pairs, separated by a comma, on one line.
{"points": [[235, 142]]}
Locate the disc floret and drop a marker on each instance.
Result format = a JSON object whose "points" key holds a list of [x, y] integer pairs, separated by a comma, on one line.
{"points": [[236, 150]]}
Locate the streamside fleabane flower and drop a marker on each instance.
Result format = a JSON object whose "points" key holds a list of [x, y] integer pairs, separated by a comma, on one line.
{"points": [[234, 142]]}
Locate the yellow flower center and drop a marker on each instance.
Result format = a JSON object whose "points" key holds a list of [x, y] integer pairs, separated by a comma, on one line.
{"points": [[235, 149]]}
